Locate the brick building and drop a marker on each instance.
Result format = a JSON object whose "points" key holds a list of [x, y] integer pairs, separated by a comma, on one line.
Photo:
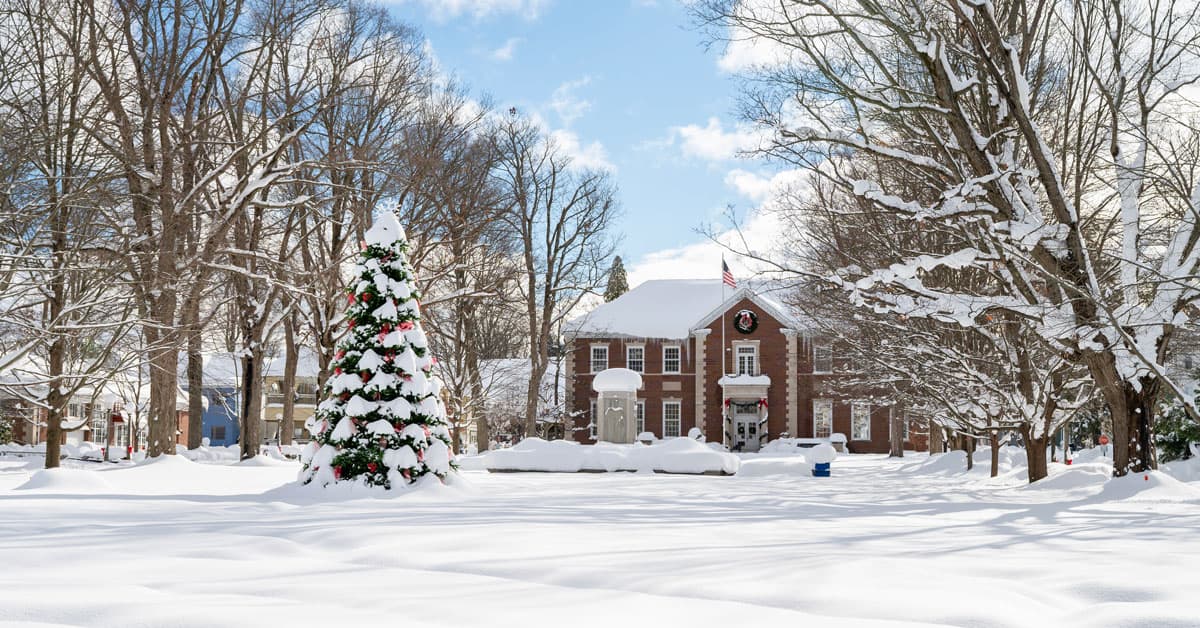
{"points": [[779, 378]]}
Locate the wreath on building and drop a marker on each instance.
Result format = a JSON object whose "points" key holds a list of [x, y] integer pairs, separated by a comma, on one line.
{"points": [[745, 321]]}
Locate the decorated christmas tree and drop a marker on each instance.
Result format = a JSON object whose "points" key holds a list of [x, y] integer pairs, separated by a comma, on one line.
{"points": [[381, 422]]}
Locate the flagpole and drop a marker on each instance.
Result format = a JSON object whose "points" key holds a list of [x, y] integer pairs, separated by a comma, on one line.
{"points": [[724, 371]]}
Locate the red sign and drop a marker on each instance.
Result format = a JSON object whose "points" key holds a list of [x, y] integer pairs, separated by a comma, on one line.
{"points": [[1104, 439]]}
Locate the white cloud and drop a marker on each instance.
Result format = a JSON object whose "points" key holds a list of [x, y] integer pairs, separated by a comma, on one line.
{"points": [[702, 259], [711, 142], [588, 156], [443, 10], [564, 102], [759, 234], [506, 52], [761, 189]]}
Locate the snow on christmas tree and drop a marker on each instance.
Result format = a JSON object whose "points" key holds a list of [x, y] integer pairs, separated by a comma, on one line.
{"points": [[381, 422]]}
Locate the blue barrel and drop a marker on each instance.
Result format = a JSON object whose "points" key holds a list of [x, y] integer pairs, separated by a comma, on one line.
{"points": [[821, 470]]}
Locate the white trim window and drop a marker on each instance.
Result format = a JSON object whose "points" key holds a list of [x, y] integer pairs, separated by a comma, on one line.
{"points": [[860, 421], [99, 433], [822, 356], [641, 416], [635, 358], [599, 358], [672, 362], [592, 421], [672, 418], [745, 359], [822, 418]]}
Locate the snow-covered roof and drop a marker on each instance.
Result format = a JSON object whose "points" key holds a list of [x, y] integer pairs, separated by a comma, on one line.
{"points": [[617, 380], [672, 308], [224, 369], [306, 364]]}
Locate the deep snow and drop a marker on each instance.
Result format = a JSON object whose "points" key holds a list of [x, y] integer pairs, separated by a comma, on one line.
{"points": [[181, 543]]}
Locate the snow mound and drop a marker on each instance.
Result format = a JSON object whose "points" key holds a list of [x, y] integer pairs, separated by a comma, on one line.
{"points": [[1095, 454], [472, 462], [784, 446], [676, 455], [1154, 486], [65, 480], [210, 454], [941, 464], [1184, 470], [167, 463], [821, 454], [766, 466], [266, 461], [1073, 477]]}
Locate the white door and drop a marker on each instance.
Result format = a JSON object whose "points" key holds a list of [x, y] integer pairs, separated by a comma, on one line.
{"points": [[745, 432]]}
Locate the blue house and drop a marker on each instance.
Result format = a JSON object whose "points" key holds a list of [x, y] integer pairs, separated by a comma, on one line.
{"points": [[222, 397]]}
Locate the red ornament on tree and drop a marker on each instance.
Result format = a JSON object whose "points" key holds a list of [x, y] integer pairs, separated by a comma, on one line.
{"points": [[406, 325], [337, 473], [340, 355], [364, 297], [366, 376], [371, 466], [337, 370], [350, 298]]}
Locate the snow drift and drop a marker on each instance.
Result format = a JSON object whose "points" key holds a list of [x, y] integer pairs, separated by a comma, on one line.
{"points": [[676, 455]]}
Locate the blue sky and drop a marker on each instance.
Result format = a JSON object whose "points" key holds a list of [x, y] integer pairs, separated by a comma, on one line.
{"points": [[624, 84]]}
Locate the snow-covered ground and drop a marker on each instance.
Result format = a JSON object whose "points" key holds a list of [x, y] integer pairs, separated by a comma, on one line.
{"points": [[882, 542]]}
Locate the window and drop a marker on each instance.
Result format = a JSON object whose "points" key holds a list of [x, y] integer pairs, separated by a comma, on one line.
{"points": [[592, 418], [822, 357], [635, 358], [822, 418], [218, 433], [599, 358], [747, 359], [671, 362], [99, 428], [641, 416], [672, 411], [860, 421]]}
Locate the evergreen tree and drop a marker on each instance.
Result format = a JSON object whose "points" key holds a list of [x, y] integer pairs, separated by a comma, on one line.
{"points": [[381, 422], [618, 284]]}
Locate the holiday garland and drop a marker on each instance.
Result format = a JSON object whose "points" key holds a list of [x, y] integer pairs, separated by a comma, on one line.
{"points": [[381, 421]]}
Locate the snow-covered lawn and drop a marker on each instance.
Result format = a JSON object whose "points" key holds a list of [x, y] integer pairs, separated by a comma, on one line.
{"points": [[180, 543]]}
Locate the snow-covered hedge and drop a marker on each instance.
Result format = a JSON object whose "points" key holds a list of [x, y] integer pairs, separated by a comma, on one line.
{"points": [[675, 455]]}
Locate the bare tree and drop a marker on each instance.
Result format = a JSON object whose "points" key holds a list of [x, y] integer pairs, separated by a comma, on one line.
{"points": [[1001, 110], [562, 217]]}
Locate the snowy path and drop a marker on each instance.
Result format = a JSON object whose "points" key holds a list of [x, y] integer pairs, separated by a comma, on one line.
{"points": [[183, 544]]}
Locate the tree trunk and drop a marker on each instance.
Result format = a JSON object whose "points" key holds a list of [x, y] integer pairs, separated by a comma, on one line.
{"points": [[290, 358], [251, 410], [935, 439], [896, 433], [1132, 414], [195, 379], [994, 441], [1035, 454], [967, 443], [164, 362]]}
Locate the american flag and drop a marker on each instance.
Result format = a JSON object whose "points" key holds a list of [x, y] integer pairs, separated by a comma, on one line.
{"points": [[727, 275]]}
